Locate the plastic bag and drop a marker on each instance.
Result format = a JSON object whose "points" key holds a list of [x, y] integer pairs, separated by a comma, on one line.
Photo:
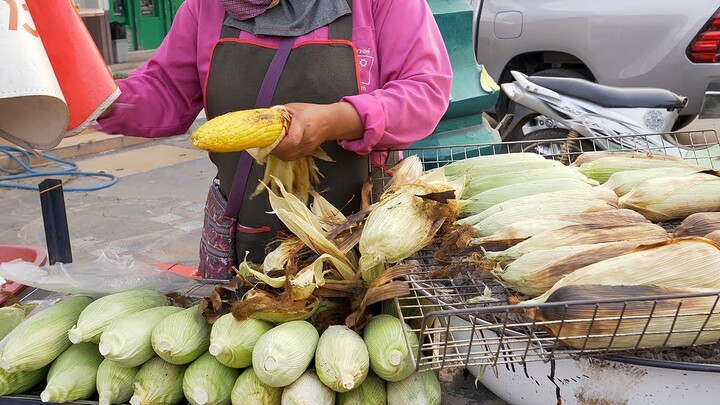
{"points": [[108, 274]]}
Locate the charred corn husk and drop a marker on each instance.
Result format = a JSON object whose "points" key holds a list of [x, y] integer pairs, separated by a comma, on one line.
{"points": [[518, 231], [580, 235], [699, 224], [38, 340], [663, 199], [637, 322], [588, 157], [601, 169], [73, 374], [560, 173], [486, 199], [714, 236], [622, 182], [490, 162], [241, 130], [21, 381], [536, 272], [683, 262]]}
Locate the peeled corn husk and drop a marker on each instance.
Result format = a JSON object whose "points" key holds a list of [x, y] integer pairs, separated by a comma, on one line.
{"points": [[371, 392], [308, 390], [10, 318], [232, 341], [115, 383], [601, 169], [682, 262], [623, 182], [406, 171], [663, 199], [559, 174], [208, 382], [341, 359], [536, 272], [21, 381], [496, 163], [516, 232], [158, 383], [385, 337], [588, 157], [38, 340], [181, 337], [637, 322], [714, 236], [580, 235], [102, 311], [281, 355], [249, 390], [418, 389], [126, 340], [698, 224], [73, 374], [486, 199]]}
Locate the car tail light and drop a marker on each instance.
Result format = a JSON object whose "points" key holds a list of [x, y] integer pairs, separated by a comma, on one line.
{"points": [[705, 48]]}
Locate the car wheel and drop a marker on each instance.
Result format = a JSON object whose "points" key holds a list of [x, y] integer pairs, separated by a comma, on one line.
{"points": [[552, 143]]}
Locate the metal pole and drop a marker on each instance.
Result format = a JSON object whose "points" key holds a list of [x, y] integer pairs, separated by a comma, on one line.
{"points": [[54, 215]]}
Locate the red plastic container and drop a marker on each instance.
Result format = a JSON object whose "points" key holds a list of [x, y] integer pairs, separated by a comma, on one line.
{"points": [[30, 254]]}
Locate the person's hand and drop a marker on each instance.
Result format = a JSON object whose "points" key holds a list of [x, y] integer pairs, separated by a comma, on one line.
{"points": [[313, 124]]}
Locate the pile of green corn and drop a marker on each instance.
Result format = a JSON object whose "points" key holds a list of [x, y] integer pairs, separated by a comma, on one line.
{"points": [[137, 347]]}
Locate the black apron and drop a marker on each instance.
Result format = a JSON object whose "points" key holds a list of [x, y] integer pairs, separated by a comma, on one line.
{"points": [[320, 72]]}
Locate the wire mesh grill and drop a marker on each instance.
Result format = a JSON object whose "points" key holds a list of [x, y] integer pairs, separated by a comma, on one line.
{"points": [[463, 318]]}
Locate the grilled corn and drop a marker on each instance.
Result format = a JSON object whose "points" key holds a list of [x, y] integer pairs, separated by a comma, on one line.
{"points": [[698, 224], [623, 182]]}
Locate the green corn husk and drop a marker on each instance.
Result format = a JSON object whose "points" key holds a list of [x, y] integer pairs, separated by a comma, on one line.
{"points": [[418, 389], [10, 318], [559, 174], [158, 383], [181, 337], [126, 340], [249, 390], [102, 311], [486, 199], [21, 381], [73, 374], [601, 169], [232, 341], [663, 199], [308, 390], [281, 355], [38, 340], [496, 163], [341, 359], [115, 383], [208, 382], [580, 235], [385, 337], [371, 392], [622, 182]]}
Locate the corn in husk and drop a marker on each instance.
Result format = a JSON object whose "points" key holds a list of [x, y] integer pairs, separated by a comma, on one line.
{"points": [[406, 171], [306, 390], [663, 199], [418, 389], [73, 374], [21, 381], [486, 199], [232, 341], [580, 235], [536, 272], [126, 340], [371, 392], [181, 337], [601, 169], [698, 224], [516, 232], [623, 182], [115, 383], [637, 322], [714, 236], [683, 262], [341, 358], [284, 353], [588, 157], [385, 337], [10, 318], [500, 162], [249, 390], [560, 173], [208, 382], [38, 340], [158, 383], [101, 312]]}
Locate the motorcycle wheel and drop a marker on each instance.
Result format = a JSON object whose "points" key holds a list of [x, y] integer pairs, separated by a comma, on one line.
{"points": [[552, 143]]}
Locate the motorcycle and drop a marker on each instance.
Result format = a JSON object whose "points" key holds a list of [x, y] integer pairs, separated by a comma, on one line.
{"points": [[587, 116]]}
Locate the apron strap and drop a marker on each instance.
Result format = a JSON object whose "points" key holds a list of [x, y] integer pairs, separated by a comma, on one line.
{"points": [[264, 100]]}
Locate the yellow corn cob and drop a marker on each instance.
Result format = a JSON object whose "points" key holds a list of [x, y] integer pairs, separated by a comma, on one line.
{"points": [[241, 130]]}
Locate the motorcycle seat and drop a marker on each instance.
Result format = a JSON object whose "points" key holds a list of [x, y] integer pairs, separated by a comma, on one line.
{"points": [[612, 97]]}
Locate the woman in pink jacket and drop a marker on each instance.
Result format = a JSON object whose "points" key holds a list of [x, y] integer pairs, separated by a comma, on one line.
{"points": [[355, 75]]}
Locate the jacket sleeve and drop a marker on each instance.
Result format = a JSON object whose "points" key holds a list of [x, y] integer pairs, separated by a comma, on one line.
{"points": [[415, 76], [162, 97]]}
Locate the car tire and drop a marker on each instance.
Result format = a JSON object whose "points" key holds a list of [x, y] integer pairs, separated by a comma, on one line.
{"points": [[552, 143]]}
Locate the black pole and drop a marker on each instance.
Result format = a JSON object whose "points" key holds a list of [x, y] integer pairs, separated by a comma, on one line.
{"points": [[54, 215]]}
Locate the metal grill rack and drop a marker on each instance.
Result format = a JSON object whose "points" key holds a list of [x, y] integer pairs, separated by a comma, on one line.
{"points": [[462, 315]]}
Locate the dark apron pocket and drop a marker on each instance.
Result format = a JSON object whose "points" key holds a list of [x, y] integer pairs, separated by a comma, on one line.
{"points": [[217, 243], [253, 241]]}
